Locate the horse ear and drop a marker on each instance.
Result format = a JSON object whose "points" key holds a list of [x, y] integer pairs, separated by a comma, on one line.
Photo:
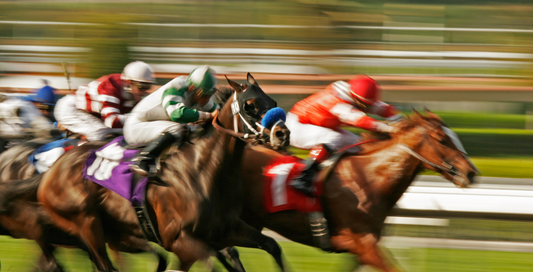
{"points": [[251, 79], [236, 86], [417, 115]]}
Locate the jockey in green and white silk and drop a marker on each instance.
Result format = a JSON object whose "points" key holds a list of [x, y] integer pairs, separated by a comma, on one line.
{"points": [[161, 117]]}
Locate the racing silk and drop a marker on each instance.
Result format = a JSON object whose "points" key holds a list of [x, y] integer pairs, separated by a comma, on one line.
{"points": [[173, 102], [16, 114], [106, 98], [334, 107]]}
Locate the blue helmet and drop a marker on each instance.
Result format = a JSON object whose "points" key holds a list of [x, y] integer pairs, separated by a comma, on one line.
{"points": [[46, 95]]}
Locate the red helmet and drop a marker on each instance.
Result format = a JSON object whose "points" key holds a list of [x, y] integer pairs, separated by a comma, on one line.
{"points": [[364, 89]]}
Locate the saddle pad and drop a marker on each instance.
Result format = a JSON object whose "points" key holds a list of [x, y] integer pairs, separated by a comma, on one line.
{"points": [[109, 167], [43, 157], [278, 195]]}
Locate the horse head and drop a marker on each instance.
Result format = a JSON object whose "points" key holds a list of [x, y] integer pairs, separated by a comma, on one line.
{"points": [[258, 114], [427, 138]]}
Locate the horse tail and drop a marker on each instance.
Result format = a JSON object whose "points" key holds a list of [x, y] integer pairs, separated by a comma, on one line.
{"points": [[18, 190]]}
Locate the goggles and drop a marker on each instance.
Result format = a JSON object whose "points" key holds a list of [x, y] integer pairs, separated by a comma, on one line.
{"points": [[142, 86]]}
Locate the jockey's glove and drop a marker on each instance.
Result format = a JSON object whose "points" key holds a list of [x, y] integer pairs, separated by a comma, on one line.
{"points": [[382, 127], [204, 116]]}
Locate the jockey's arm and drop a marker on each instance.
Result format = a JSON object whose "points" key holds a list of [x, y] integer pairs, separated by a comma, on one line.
{"points": [[351, 116], [110, 112], [385, 110], [112, 117], [173, 103]]}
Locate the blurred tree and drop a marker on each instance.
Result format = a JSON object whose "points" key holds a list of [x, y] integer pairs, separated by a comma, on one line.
{"points": [[108, 37]]}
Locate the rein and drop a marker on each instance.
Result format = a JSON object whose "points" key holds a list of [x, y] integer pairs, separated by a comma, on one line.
{"points": [[357, 144], [243, 136]]}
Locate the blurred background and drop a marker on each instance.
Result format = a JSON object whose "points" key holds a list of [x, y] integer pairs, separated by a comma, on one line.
{"points": [[468, 61]]}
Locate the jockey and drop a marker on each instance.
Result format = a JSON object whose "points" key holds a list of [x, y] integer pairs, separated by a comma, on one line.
{"points": [[162, 117], [45, 100], [27, 112], [99, 109], [315, 121]]}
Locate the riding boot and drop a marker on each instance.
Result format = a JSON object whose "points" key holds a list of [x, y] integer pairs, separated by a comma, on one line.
{"points": [[319, 230], [144, 163], [304, 182]]}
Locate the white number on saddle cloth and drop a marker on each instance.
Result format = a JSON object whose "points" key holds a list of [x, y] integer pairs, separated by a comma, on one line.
{"points": [[106, 160], [278, 187]]}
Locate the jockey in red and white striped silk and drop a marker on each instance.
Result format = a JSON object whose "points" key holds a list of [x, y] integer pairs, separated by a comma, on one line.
{"points": [[101, 106], [315, 121]]}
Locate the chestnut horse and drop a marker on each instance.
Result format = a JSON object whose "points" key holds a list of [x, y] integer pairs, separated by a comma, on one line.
{"points": [[195, 212], [362, 188]]}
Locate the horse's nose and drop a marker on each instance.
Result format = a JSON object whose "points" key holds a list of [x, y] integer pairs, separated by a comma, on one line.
{"points": [[471, 176]]}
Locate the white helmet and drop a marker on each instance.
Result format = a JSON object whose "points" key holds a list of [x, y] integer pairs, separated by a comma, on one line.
{"points": [[138, 71]]}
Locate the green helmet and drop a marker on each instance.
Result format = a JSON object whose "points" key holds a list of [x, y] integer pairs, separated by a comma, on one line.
{"points": [[203, 79]]}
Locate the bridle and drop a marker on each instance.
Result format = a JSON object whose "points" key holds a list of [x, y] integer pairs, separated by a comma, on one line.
{"points": [[235, 109], [443, 167]]}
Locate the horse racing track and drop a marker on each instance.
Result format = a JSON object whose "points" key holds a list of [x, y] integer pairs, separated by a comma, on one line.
{"points": [[21, 255]]}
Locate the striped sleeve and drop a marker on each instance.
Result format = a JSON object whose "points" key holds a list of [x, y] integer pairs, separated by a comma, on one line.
{"points": [[110, 106], [353, 117], [173, 103]]}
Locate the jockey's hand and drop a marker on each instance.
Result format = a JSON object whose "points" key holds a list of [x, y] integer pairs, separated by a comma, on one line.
{"points": [[205, 116], [382, 127]]}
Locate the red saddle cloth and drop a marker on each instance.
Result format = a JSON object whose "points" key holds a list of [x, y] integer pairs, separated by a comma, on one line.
{"points": [[279, 195]]}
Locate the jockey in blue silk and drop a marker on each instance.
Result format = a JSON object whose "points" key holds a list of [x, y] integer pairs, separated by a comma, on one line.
{"points": [[161, 118], [33, 112]]}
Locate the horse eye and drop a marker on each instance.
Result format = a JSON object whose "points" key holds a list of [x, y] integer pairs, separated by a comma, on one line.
{"points": [[250, 107]]}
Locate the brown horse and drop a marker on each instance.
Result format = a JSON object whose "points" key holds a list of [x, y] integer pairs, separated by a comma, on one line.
{"points": [[198, 209], [362, 188], [21, 216]]}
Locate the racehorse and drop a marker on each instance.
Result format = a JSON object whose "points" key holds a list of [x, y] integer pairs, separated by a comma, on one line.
{"points": [[362, 188], [197, 210], [21, 216]]}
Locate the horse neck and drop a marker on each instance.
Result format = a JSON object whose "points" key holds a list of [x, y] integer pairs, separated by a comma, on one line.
{"points": [[388, 172], [212, 160]]}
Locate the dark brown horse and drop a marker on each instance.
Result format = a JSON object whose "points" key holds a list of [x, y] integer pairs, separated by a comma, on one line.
{"points": [[196, 212], [362, 188]]}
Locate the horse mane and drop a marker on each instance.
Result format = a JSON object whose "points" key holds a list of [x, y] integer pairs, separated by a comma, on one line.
{"points": [[222, 94]]}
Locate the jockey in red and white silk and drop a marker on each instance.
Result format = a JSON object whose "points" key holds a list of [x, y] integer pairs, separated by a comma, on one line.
{"points": [[106, 99], [317, 119], [100, 108]]}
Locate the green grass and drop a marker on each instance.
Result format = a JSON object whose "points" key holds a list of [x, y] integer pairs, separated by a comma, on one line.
{"points": [[21, 255]]}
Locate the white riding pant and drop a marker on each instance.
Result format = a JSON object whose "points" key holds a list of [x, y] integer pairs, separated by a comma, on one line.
{"points": [[306, 136], [80, 121], [138, 132]]}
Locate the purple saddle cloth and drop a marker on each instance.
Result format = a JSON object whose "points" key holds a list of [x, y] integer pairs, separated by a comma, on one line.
{"points": [[109, 167]]}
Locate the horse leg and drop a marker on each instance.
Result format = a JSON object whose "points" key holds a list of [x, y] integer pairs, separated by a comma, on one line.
{"points": [[90, 229], [188, 250], [247, 236], [47, 261], [232, 254], [364, 246], [133, 244]]}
